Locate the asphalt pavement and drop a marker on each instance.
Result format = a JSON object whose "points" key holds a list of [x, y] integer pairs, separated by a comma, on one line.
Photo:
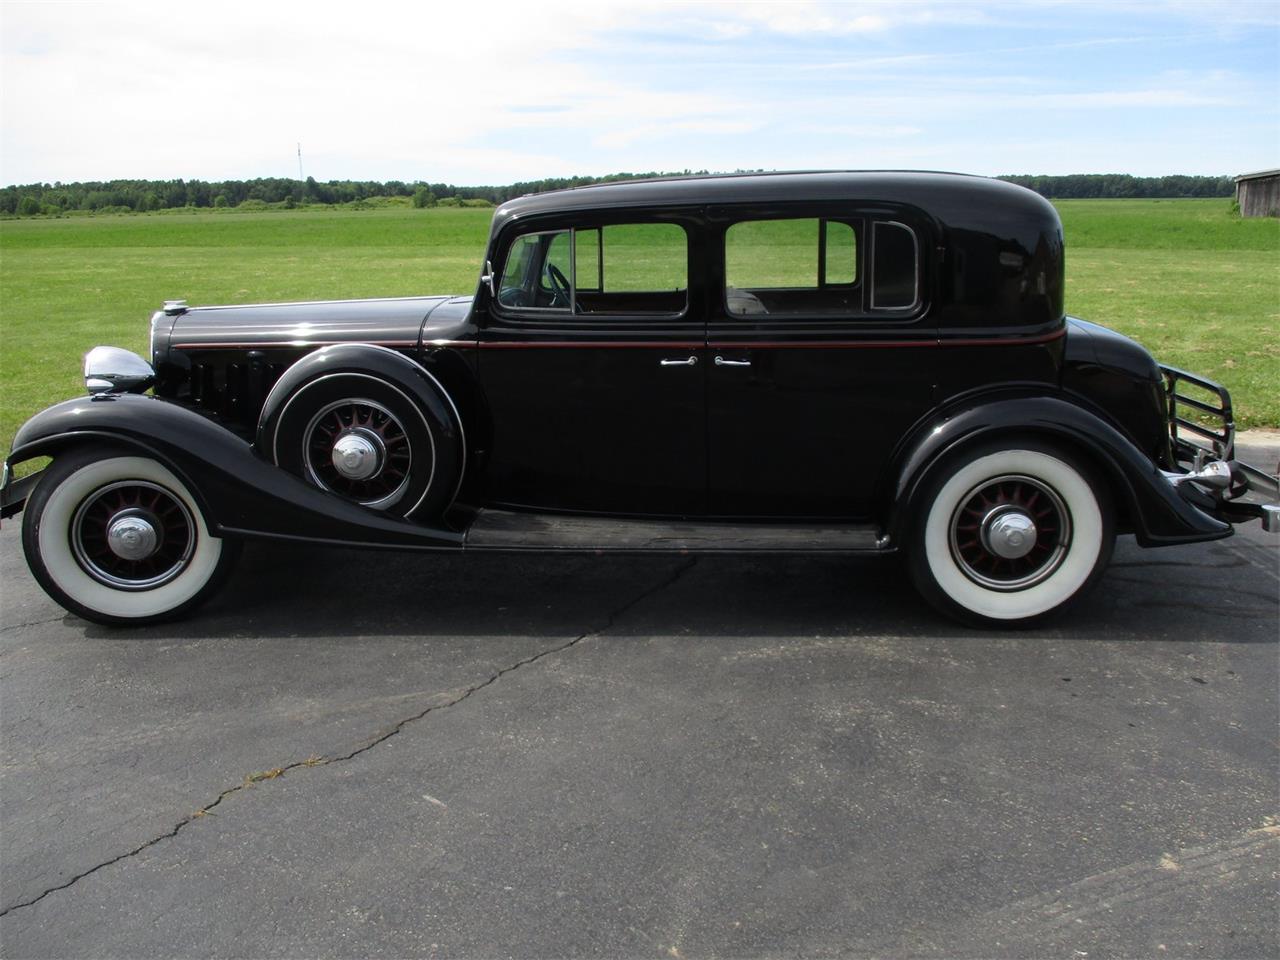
{"points": [[361, 754]]}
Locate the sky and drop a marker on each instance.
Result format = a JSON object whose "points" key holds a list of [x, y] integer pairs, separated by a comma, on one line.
{"points": [[495, 92]]}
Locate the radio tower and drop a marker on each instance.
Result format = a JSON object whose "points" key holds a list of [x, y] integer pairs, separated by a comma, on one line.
{"points": [[300, 176]]}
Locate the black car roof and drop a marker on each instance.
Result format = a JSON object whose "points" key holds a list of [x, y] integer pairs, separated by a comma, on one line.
{"points": [[929, 190]]}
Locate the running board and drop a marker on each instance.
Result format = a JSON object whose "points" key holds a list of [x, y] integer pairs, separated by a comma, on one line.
{"points": [[509, 531]]}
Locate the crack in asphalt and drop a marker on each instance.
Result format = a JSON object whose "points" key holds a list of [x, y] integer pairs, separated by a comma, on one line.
{"points": [[32, 623], [276, 772]]}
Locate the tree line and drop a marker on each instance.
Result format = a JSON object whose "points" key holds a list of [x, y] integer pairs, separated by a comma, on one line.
{"points": [[119, 196], [1116, 185]]}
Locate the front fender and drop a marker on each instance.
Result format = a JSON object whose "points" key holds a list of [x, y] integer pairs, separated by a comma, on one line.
{"points": [[363, 358], [239, 493], [1157, 513]]}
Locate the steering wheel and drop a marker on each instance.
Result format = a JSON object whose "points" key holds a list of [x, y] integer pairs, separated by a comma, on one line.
{"points": [[559, 286]]}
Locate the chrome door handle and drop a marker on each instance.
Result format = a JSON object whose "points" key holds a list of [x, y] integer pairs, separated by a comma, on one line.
{"points": [[722, 362], [691, 361]]}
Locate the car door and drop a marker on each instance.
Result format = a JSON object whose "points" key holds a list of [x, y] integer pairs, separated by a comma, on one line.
{"points": [[821, 357], [592, 361]]}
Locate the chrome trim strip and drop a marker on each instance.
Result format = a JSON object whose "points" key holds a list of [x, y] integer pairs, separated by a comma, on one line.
{"points": [[301, 344], [929, 341], [591, 344], [314, 303]]}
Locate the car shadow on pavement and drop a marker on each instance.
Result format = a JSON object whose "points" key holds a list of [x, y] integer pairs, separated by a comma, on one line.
{"points": [[1182, 593]]}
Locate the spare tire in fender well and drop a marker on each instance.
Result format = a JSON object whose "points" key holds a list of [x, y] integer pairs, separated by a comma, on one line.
{"points": [[394, 371]]}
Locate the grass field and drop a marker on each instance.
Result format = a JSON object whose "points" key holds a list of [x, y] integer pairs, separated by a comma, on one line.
{"points": [[1197, 286]]}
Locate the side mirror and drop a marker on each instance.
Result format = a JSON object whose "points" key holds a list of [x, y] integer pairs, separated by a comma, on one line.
{"points": [[489, 280], [112, 370]]}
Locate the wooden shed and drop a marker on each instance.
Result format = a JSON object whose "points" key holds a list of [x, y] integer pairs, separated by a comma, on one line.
{"points": [[1259, 193]]}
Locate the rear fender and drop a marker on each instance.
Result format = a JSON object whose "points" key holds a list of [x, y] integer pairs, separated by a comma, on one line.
{"points": [[1156, 511], [239, 493]]}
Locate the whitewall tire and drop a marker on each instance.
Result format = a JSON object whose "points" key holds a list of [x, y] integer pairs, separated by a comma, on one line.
{"points": [[119, 539], [1008, 536]]}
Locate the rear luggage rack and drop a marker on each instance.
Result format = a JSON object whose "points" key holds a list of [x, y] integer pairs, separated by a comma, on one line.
{"points": [[1199, 426]]}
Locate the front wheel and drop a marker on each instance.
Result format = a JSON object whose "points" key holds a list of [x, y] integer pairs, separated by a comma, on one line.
{"points": [[1011, 535], [119, 539]]}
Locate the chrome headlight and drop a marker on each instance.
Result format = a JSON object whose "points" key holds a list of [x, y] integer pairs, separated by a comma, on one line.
{"points": [[112, 370]]}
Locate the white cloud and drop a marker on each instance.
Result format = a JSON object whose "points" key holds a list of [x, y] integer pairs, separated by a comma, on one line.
{"points": [[511, 91], [649, 132], [127, 89], [799, 17], [869, 131]]}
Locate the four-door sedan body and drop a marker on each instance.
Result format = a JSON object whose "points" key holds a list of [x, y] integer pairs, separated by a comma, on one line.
{"points": [[822, 362]]}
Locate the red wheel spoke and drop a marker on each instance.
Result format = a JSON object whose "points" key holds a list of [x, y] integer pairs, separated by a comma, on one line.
{"points": [[975, 522]]}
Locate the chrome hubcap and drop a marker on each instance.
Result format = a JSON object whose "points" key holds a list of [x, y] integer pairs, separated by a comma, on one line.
{"points": [[132, 536], [358, 455], [357, 449], [1010, 534]]}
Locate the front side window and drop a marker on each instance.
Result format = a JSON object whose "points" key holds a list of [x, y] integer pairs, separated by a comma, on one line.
{"points": [[633, 268], [527, 277]]}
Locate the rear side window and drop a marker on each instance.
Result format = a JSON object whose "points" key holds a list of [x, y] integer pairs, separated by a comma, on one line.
{"points": [[815, 267], [632, 268], [791, 266]]}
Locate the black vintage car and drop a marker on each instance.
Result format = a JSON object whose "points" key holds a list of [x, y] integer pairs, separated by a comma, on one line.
{"points": [[821, 362]]}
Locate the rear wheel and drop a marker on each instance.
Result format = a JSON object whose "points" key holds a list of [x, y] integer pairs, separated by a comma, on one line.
{"points": [[119, 539], [1011, 535]]}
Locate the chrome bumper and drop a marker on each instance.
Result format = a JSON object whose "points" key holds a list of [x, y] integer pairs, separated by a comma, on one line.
{"points": [[1264, 486], [1202, 433], [1230, 490], [1270, 517]]}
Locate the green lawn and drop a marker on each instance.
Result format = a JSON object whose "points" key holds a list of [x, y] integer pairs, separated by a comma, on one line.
{"points": [[1197, 286], [67, 285]]}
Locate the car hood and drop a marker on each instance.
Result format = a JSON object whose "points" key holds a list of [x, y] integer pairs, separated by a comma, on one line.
{"points": [[392, 322]]}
